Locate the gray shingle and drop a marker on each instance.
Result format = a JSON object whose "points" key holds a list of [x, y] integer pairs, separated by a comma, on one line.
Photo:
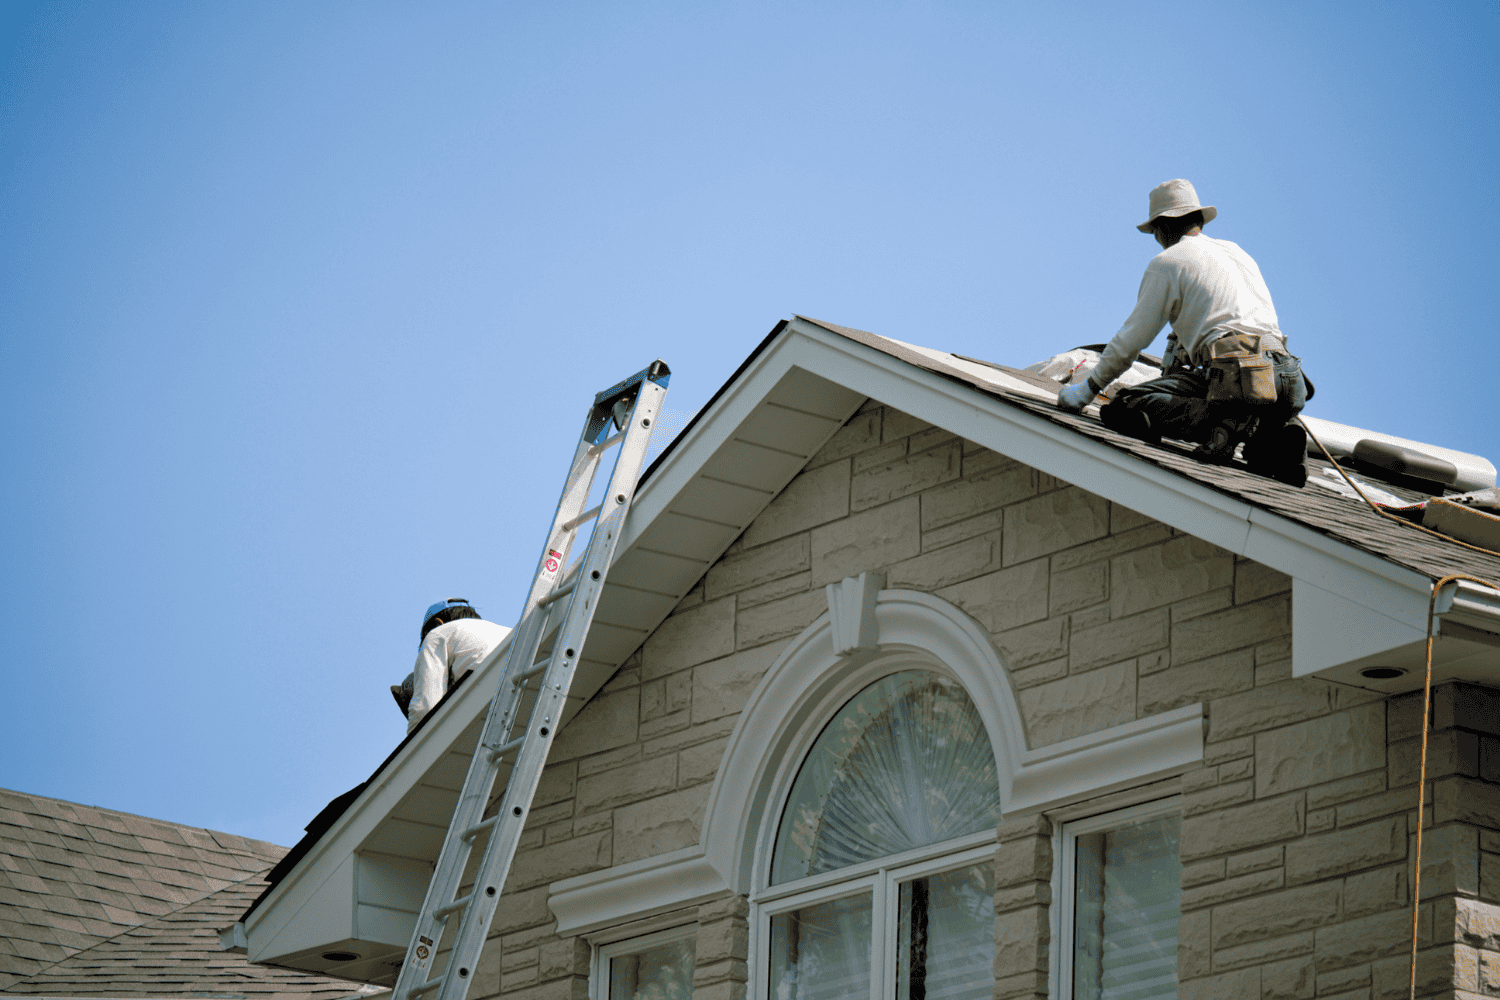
{"points": [[1348, 521], [95, 902]]}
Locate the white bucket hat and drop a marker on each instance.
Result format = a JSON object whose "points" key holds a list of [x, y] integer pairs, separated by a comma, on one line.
{"points": [[1175, 198]]}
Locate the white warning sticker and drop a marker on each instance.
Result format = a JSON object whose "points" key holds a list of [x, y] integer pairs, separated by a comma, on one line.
{"points": [[552, 565]]}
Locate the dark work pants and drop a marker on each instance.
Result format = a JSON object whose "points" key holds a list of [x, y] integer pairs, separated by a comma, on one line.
{"points": [[1178, 407]]}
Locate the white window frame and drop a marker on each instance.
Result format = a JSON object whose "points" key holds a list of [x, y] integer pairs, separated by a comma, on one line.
{"points": [[1065, 877], [599, 980], [882, 880], [881, 877]]}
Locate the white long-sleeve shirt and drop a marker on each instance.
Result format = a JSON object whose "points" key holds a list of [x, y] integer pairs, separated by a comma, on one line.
{"points": [[1203, 287], [449, 651]]}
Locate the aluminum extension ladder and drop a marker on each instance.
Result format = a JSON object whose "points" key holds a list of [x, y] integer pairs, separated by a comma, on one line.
{"points": [[525, 711]]}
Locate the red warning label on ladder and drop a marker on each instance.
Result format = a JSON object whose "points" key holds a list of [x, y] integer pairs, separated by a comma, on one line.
{"points": [[551, 565]]}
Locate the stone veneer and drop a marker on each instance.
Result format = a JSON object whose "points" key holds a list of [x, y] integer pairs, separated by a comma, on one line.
{"points": [[1295, 831]]}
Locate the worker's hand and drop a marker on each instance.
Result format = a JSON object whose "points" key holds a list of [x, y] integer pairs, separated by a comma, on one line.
{"points": [[1074, 398]]}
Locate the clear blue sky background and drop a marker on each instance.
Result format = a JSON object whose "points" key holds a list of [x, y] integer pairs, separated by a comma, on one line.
{"points": [[300, 304]]}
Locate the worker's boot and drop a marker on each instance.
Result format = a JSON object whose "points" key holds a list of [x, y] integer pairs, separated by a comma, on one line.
{"points": [[1223, 437], [1132, 421], [1279, 453]]}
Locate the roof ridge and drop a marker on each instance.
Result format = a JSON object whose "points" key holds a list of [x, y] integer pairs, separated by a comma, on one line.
{"points": [[163, 916]]}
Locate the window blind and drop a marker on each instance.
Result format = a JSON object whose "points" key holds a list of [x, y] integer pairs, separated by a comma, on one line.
{"points": [[1127, 905]]}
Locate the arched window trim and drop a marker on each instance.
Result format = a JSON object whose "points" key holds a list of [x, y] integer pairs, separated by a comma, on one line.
{"points": [[810, 681], [864, 628], [866, 624], [858, 677]]}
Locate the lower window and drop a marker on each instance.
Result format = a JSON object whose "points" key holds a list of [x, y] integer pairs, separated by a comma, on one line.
{"points": [[1122, 877], [654, 967], [912, 934]]}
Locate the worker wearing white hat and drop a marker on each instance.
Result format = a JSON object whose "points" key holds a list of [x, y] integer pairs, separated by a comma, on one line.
{"points": [[1228, 377]]}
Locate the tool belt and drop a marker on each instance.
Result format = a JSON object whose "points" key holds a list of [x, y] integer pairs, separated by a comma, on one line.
{"points": [[1240, 369]]}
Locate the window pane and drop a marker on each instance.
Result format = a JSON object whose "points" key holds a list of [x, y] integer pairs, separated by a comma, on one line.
{"points": [[661, 973], [822, 952], [946, 944], [906, 763], [1129, 892]]}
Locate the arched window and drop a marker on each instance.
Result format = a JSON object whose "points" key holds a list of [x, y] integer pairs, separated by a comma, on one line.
{"points": [[881, 880]]}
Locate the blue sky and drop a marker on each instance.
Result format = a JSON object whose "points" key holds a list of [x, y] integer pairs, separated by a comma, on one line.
{"points": [[300, 304]]}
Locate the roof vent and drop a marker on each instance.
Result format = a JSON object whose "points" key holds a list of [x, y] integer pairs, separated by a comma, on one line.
{"points": [[1404, 466]]}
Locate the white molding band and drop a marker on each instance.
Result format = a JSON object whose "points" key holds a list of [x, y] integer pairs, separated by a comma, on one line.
{"points": [[631, 891], [1135, 753]]}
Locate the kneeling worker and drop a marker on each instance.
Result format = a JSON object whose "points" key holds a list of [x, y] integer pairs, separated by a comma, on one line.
{"points": [[455, 640], [1227, 377]]}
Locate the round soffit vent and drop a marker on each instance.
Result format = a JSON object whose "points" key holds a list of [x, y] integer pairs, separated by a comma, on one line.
{"points": [[1382, 673], [340, 956]]}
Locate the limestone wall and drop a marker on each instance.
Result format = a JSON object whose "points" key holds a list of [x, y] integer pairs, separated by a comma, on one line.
{"points": [[1295, 833]]}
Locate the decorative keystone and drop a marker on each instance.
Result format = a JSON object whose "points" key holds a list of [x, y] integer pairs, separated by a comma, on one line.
{"points": [[851, 605]]}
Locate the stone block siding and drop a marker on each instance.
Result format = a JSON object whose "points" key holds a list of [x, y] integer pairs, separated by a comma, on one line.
{"points": [[1298, 846], [1294, 831]]}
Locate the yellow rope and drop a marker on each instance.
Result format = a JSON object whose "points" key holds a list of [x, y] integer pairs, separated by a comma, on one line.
{"points": [[1416, 889]]}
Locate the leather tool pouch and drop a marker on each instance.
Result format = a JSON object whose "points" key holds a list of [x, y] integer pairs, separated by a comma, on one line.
{"points": [[1240, 370]]}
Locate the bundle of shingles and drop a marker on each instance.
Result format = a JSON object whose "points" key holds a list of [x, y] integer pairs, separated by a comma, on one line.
{"points": [[1472, 517]]}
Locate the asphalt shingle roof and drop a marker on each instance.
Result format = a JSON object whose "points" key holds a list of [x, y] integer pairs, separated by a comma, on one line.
{"points": [[1346, 520], [95, 902]]}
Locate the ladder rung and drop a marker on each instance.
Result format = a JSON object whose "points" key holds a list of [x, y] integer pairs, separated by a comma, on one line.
{"points": [[457, 904], [495, 755], [557, 594], [583, 518], [527, 675], [474, 830], [606, 444], [426, 987]]}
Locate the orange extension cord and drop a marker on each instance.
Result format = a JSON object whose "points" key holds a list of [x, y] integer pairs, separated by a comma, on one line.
{"points": [[1416, 889]]}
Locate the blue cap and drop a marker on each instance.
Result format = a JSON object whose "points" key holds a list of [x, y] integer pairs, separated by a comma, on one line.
{"points": [[441, 606]]}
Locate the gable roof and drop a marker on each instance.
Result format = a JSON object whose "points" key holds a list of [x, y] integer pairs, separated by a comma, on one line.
{"points": [[95, 902], [785, 403]]}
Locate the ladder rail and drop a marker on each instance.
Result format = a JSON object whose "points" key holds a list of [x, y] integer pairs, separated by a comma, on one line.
{"points": [[505, 731], [480, 778], [520, 790]]}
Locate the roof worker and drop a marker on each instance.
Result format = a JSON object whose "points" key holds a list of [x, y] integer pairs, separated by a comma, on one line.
{"points": [[1227, 377], [455, 640]]}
